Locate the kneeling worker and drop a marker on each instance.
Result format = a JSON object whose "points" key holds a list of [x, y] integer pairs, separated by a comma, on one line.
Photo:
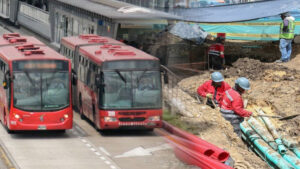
{"points": [[213, 89], [232, 106]]}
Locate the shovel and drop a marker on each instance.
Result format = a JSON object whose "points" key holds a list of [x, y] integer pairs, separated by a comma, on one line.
{"points": [[279, 117], [289, 117]]}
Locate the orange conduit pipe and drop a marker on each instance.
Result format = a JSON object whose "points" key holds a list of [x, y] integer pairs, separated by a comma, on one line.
{"points": [[219, 154], [186, 143]]}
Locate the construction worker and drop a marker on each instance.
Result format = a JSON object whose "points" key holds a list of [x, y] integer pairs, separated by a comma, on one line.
{"points": [[232, 106], [213, 89], [286, 37], [216, 53]]}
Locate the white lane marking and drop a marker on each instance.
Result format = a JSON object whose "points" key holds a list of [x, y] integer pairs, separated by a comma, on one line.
{"points": [[93, 148], [158, 148], [104, 151], [141, 151], [79, 130]]}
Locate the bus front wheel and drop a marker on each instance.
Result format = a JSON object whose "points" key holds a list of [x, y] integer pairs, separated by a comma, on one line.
{"points": [[5, 123]]}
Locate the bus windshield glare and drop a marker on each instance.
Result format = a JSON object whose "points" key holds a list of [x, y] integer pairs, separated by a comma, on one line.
{"points": [[131, 89], [44, 88]]}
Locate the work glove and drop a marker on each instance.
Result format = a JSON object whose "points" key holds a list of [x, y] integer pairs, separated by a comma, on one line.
{"points": [[209, 96]]}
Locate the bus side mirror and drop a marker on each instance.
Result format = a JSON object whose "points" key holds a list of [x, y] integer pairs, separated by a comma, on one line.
{"points": [[6, 81], [74, 78], [4, 84]]}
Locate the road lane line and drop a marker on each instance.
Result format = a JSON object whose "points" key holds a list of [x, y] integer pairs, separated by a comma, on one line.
{"points": [[104, 151], [93, 148]]}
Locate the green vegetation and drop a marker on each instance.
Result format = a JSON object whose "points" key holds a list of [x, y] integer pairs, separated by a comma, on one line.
{"points": [[177, 121]]}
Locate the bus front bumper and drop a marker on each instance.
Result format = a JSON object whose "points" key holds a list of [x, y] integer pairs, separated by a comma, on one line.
{"points": [[131, 125], [17, 125]]}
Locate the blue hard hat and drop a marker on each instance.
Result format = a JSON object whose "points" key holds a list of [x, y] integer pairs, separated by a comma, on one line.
{"points": [[243, 83], [217, 77]]}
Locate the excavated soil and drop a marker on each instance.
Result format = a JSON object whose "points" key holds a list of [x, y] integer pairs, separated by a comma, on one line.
{"points": [[274, 88]]}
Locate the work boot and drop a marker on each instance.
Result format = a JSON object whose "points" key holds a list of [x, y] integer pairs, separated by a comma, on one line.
{"points": [[278, 61]]}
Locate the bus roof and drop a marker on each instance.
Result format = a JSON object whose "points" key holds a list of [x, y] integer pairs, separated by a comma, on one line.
{"points": [[107, 52], [25, 48], [87, 39], [15, 38]]}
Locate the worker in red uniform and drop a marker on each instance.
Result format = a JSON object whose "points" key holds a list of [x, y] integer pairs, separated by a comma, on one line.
{"points": [[213, 89], [232, 106], [216, 53]]}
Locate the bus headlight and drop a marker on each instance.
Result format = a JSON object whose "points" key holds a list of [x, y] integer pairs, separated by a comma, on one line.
{"points": [[17, 116], [66, 116], [110, 119], [154, 118]]}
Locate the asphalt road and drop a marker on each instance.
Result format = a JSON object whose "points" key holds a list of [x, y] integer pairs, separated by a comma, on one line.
{"points": [[85, 148]]}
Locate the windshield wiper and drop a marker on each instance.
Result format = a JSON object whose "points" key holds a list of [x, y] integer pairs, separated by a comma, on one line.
{"points": [[121, 76], [139, 78], [29, 78]]}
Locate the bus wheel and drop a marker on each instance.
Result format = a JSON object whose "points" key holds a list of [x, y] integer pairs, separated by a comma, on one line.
{"points": [[61, 131], [8, 130], [6, 125]]}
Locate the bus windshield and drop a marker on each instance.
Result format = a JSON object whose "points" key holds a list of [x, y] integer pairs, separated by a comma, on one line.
{"points": [[41, 91], [131, 89]]}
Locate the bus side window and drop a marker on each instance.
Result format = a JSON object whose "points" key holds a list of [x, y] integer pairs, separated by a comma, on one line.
{"points": [[92, 75], [69, 53], [62, 49], [87, 72], [6, 68], [1, 65], [72, 55], [1, 72], [65, 51]]}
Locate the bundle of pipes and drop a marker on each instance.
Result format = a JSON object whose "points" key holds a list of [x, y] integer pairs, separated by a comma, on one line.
{"points": [[263, 138]]}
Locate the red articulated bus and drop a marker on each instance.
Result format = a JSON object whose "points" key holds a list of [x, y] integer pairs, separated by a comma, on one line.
{"points": [[118, 86], [36, 90]]}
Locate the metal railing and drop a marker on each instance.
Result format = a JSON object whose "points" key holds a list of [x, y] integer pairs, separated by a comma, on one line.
{"points": [[175, 96]]}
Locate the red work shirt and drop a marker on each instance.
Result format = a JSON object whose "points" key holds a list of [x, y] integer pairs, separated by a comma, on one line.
{"points": [[207, 87], [232, 100], [216, 49]]}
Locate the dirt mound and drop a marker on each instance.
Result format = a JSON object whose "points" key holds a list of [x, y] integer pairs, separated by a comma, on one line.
{"points": [[274, 87], [209, 124], [256, 70]]}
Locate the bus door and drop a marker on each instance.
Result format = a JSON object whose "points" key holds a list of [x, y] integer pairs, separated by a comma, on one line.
{"points": [[75, 69], [4, 91], [88, 91]]}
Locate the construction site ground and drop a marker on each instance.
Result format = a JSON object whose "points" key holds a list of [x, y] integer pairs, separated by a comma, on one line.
{"points": [[274, 87]]}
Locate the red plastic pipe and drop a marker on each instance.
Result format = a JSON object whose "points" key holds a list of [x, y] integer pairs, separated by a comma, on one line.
{"points": [[192, 158], [186, 143], [219, 154]]}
